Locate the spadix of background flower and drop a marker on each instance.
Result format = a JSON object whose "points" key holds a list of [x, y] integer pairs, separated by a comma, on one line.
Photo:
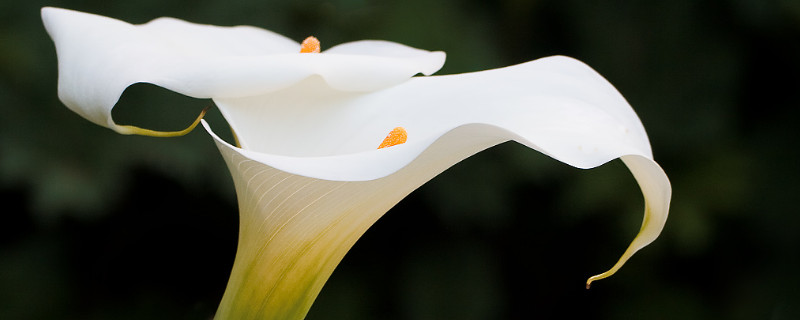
{"points": [[477, 242]]}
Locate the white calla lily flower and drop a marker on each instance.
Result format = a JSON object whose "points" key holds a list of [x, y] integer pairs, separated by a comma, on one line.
{"points": [[309, 177]]}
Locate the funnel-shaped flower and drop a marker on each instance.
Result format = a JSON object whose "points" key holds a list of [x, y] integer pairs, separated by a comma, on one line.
{"points": [[309, 175]]}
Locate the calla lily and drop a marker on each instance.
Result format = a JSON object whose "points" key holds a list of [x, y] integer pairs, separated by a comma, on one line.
{"points": [[309, 175]]}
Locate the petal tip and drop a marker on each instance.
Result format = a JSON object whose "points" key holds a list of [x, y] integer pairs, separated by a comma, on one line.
{"points": [[50, 13], [47, 11], [435, 62]]}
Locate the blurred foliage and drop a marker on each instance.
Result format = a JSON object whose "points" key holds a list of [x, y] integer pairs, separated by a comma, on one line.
{"points": [[102, 226]]}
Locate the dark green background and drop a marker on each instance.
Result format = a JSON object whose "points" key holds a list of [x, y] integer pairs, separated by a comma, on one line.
{"points": [[96, 225]]}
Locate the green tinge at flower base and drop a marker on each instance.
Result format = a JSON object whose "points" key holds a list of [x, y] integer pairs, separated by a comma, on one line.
{"points": [[295, 230]]}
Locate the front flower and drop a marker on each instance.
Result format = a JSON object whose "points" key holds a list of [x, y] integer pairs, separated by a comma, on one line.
{"points": [[309, 174]]}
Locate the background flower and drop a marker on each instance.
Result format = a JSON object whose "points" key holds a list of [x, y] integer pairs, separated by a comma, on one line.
{"points": [[702, 79]]}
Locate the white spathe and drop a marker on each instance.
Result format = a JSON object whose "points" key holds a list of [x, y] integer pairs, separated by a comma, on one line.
{"points": [[308, 175], [99, 57]]}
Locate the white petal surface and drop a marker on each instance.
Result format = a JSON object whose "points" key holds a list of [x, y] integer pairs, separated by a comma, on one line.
{"points": [[99, 57], [557, 105]]}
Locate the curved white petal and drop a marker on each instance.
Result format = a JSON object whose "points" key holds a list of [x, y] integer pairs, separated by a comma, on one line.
{"points": [[556, 105], [99, 57]]}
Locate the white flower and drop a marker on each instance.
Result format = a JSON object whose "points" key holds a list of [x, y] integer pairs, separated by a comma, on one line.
{"points": [[309, 176]]}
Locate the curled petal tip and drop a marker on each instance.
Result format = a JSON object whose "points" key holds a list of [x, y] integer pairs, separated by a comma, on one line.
{"points": [[127, 129], [657, 193], [598, 277]]}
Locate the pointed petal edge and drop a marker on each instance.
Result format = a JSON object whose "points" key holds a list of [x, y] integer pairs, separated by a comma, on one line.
{"points": [[657, 193]]}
